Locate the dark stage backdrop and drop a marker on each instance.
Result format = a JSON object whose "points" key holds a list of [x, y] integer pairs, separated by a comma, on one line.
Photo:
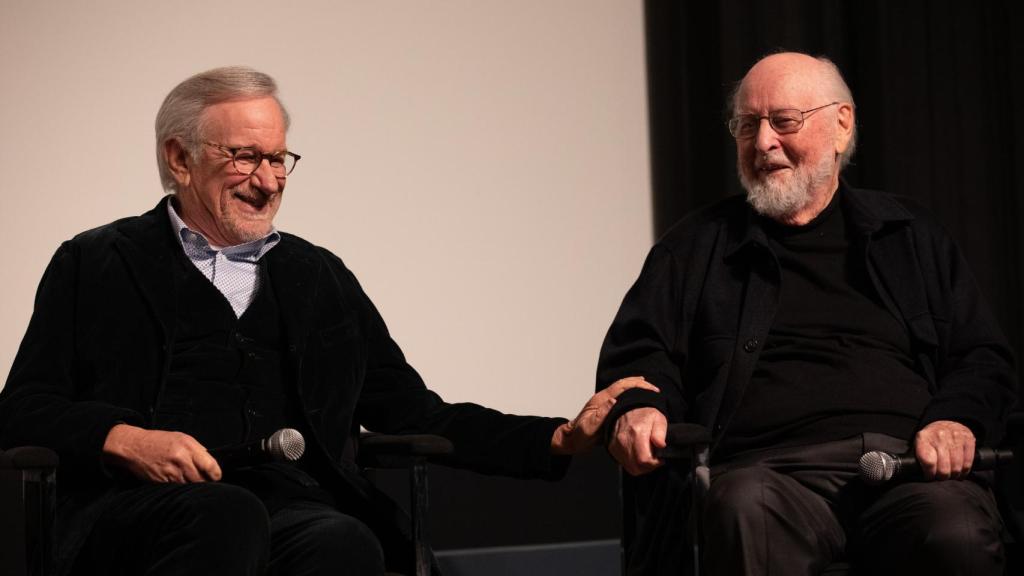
{"points": [[939, 88]]}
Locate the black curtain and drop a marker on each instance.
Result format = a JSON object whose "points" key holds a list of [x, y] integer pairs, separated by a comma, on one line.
{"points": [[939, 89]]}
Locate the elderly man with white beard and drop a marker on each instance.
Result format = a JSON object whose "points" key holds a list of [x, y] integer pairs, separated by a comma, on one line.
{"points": [[804, 325]]}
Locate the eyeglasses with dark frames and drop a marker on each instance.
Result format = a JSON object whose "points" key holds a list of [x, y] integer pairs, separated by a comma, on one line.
{"points": [[785, 121], [246, 160]]}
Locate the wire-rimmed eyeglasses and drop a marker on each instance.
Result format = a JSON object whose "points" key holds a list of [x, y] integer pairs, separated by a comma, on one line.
{"points": [[785, 121]]}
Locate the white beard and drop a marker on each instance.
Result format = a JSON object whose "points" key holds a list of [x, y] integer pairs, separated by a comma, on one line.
{"points": [[780, 199]]}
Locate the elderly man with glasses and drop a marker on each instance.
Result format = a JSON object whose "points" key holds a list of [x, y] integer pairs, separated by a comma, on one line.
{"points": [[804, 325], [198, 325]]}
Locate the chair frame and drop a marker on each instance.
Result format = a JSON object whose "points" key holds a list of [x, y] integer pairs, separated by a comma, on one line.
{"points": [[412, 451], [28, 486], [28, 498]]}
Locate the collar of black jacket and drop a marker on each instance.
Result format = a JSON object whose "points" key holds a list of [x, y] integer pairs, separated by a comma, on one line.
{"points": [[147, 243], [868, 211]]}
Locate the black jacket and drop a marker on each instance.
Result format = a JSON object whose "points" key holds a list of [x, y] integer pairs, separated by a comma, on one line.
{"points": [[695, 320], [96, 354]]}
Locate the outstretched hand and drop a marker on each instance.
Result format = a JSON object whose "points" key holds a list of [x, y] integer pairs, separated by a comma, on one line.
{"points": [[583, 432], [159, 456]]}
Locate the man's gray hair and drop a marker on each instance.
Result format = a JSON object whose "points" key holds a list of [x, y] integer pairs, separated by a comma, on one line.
{"points": [[838, 91], [181, 115]]}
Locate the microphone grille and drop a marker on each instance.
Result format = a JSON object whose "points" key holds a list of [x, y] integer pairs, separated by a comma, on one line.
{"points": [[877, 467], [286, 444]]}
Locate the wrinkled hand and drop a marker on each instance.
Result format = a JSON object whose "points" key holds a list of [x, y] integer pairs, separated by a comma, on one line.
{"points": [[637, 434], [159, 456], [582, 433], [945, 449]]}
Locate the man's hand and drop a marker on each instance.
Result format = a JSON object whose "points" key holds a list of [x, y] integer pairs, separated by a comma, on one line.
{"points": [[945, 449], [159, 456], [582, 432], [637, 433]]}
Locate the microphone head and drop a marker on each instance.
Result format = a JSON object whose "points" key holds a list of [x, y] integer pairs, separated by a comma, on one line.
{"points": [[286, 444], [878, 467]]}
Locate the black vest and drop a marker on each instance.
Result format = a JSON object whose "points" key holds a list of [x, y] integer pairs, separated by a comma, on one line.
{"points": [[225, 385]]}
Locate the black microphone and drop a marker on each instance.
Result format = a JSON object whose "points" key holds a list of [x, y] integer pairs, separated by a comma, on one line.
{"points": [[285, 445], [880, 467]]}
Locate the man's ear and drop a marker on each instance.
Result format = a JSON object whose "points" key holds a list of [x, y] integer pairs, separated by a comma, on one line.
{"points": [[179, 161], [845, 121]]}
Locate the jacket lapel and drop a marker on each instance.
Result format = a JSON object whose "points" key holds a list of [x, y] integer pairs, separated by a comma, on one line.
{"points": [[147, 245], [892, 261], [295, 274], [899, 273], [748, 248]]}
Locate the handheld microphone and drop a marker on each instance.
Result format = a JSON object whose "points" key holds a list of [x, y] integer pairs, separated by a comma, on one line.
{"points": [[285, 445], [880, 467]]}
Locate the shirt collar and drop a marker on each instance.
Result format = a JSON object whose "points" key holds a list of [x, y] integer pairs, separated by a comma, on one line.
{"points": [[197, 247]]}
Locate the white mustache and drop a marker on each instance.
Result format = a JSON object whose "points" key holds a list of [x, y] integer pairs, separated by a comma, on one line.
{"points": [[769, 162]]}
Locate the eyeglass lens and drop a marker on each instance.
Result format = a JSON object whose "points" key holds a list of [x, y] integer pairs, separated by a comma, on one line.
{"points": [[247, 161], [782, 121]]}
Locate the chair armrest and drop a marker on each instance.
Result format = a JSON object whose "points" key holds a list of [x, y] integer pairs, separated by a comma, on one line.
{"points": [[400, 450], [28, 458], [690, 442], [411, 452], [683, 440]]}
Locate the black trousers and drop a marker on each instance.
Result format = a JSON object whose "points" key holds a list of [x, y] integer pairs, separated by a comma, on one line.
{"points": [[223, 529], [794, 511]]}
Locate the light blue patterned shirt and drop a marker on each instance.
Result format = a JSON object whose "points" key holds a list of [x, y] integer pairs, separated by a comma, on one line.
{"points": [[234, 270]]}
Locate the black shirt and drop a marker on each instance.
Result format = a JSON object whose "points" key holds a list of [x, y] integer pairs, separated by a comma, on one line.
{"points": [[836, 362]]}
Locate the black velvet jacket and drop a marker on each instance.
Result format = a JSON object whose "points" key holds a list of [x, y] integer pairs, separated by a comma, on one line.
{"points": [[96, 353], [695, 320]]}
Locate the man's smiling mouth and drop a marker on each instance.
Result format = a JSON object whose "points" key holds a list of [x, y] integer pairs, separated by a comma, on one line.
{"points": [[256, 200], [772, 167]]}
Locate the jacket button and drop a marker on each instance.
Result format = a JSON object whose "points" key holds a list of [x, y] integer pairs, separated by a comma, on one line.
{"points": [[751, 345]]}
